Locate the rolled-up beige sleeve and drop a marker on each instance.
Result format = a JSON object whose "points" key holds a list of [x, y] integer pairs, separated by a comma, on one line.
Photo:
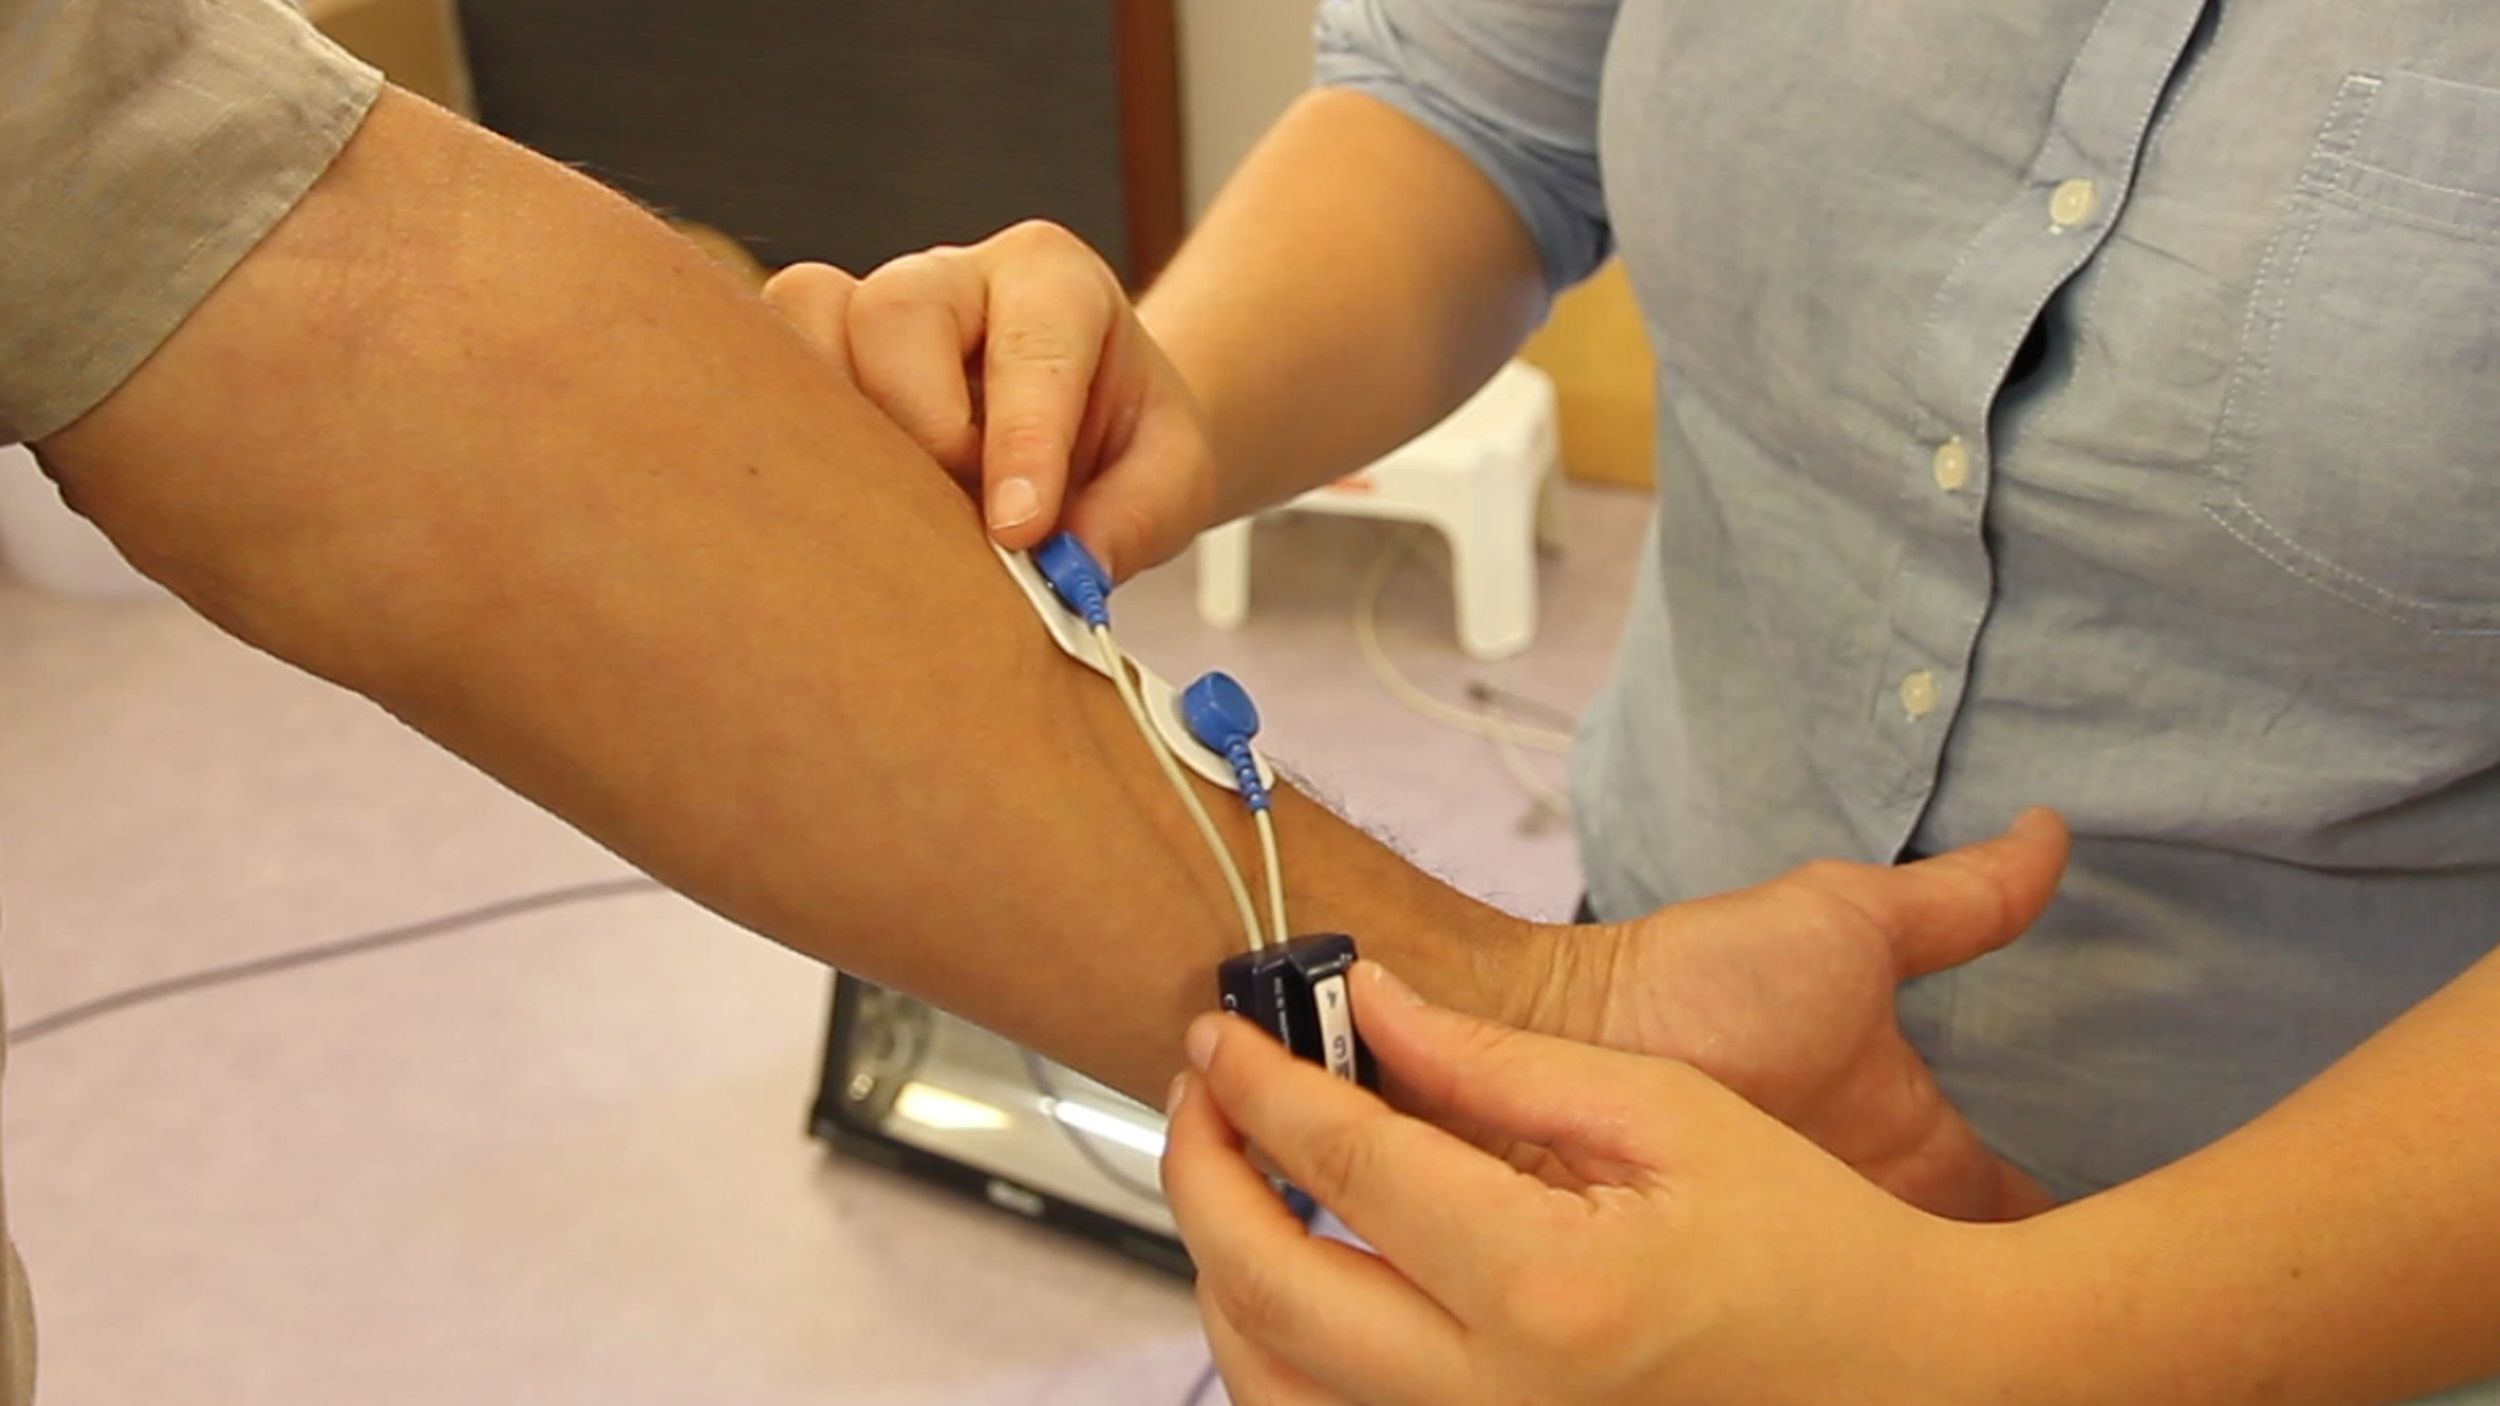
{"points": [[145, 147]]}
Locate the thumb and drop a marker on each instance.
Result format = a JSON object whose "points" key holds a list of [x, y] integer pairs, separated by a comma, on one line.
{"points": [[1578, 1100], [1144, 506], [1963, 904]]}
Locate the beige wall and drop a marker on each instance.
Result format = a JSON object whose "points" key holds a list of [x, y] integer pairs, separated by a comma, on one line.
{"points": [[1242, 61]]}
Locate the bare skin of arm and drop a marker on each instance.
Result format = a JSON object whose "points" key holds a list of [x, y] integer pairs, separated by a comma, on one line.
{"points": [[477, 439], [474, 437], [1355, 247]]}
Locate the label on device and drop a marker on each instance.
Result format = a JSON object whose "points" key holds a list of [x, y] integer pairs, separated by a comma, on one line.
{"points": [[1336, 1026], [1299, 994]]}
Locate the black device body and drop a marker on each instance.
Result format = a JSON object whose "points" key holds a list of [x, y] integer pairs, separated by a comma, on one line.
{"points": [[1302, 994]]}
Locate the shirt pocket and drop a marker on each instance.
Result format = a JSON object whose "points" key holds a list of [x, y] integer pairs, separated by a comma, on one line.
{"points": [[2359, 441]]}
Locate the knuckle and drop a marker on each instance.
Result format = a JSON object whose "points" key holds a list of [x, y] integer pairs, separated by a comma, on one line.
{"points": [[882, 303], [1036, 344], [900, 268], [1051, 254], [1027, 436], [905, 279], [796, 278], [1034, 235], [1126, 523], [1252, 1300], [1492, 1049], [1562, 1311], [1839, 889], [1343, 1159], [814, 297]]}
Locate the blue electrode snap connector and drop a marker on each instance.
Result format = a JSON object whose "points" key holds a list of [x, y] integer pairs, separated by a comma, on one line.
{"points": [[1218, 712], [1075, 577]]}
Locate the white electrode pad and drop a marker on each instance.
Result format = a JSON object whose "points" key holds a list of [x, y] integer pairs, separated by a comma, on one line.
{"points": [[1161, 699]]}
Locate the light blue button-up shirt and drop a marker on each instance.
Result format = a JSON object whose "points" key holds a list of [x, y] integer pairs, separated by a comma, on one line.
{"points": [[2092, 403]]}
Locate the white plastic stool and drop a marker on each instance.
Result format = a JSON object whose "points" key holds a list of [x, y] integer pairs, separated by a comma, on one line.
{"points": [[1484, 477]]}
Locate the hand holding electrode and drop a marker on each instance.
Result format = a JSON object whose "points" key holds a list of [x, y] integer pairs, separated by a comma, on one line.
{"points": [[1018, 363], [1677, 1245]]}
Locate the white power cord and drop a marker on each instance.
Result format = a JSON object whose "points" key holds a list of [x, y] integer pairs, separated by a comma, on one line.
{"points": [[1404, 690], [1509, 737], [1513, 760], [1189, 797]]}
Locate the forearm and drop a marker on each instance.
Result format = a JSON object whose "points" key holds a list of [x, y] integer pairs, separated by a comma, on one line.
{"points": [[2344, 1249], [1355, 280], [474, 437]]}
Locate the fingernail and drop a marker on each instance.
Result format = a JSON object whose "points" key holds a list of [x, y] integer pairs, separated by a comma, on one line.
{"points": [[1172, 1096], [1203, 1033], [1013, 502], [1390, 986]]}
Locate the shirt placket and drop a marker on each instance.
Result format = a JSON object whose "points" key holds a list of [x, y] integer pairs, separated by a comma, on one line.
{"points": [[2044, 232]]}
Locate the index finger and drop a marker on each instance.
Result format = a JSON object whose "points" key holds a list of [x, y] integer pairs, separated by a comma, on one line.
{"points": [[1043, 344], [1320, 1310], [816, 300], [1442, 1211]]}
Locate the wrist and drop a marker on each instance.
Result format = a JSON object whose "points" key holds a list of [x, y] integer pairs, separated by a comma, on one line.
{"points": [[2082, 1305], [1476, 959], [1458, 952], [2001, 1327]]}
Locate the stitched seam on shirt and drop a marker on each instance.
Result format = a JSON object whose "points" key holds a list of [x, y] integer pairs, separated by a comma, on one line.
{"points": [[1912, 775], [2298, 566], [2086, 307], [2485, 197], [2198, 67], [2099, 23], [2149, 128], [2398, 214], [2321, 569], [2279, 301], [2269, 301], [2149, 114], [2337, 581], [2264, 320]]}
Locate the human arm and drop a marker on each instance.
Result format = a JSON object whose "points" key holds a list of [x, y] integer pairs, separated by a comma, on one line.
{"points": [[481, 441], [476, 438], [1372, 262], [1356, 279], [2343, 1250]]}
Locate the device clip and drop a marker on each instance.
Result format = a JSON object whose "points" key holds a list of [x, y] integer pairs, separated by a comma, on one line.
{"points": [[1299, 992]]}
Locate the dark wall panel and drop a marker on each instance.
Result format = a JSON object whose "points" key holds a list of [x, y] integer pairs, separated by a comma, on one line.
{"points": [[845, 130]]}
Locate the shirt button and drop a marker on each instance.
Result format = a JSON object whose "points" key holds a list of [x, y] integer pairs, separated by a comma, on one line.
{"points": [[1952, 464], [2073, 202], [1918, 694]]}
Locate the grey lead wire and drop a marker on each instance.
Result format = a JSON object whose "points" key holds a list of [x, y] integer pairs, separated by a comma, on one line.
{"points": [[1172, 772]]}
